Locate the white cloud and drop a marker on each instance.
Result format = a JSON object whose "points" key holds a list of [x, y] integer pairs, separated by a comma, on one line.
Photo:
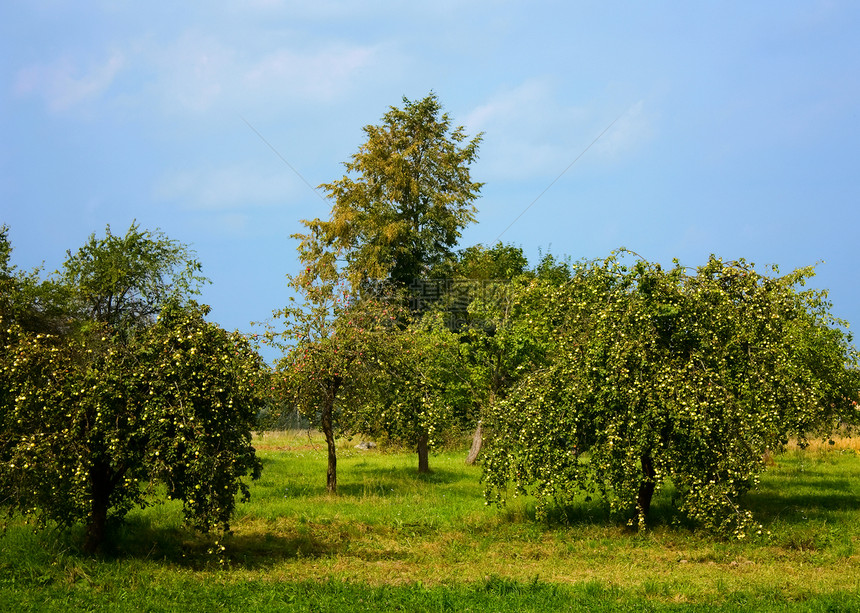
{"points": [[529, 107], [528, 133], [531, 132], [63, 84], [320, 75], [629, 132], [198, 72], [231, 187]]}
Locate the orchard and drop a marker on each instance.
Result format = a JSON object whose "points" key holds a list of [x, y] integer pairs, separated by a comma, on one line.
{"points": [[613, 378]]}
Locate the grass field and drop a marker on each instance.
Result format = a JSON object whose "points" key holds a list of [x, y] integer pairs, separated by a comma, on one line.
{"points": [[393, 540]]}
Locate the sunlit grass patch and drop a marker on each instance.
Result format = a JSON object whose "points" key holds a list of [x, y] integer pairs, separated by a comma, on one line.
{"points": [[430, 541], [840, 443]]}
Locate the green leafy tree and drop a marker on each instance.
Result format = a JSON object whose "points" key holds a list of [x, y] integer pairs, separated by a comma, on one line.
{"points": [[498, 345], [8, 280], [497, 263], [552, 269], [422, 390], [36, 305], [493, 350], [499, 352], [123, 281], [407, 194], [661, 374], [87, 431], [478, 272], [334, 342], [136, 389]]}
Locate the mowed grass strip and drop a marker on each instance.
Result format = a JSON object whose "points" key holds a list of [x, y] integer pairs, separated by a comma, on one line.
{"points": [[391, 535]]}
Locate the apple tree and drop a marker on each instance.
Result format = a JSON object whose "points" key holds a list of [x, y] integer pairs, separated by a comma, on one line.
{"points": [[88, 428], [688, 376], [93, 418], [422, 391], [335, 343]]}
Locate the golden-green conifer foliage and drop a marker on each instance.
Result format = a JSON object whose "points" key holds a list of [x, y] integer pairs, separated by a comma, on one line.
{"points": [[407, 194]]}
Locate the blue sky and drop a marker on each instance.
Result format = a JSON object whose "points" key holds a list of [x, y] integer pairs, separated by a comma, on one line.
{"points": [[737, 126]]}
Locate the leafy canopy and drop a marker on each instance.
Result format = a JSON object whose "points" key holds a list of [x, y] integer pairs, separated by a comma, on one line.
{"points": [[36, 305], [407, 194], [88, 430], [423, 390], [661, 374], [136, 389], [333, 343], [123, 281]]}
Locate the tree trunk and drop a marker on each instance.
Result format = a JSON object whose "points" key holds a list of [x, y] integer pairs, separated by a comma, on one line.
{"points": [[100, 490], [646, 488], [477, 441], [328, 430], [423, 455]]}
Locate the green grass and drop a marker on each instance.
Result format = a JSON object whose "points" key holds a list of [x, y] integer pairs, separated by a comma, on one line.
{"points": [[394, 540]]}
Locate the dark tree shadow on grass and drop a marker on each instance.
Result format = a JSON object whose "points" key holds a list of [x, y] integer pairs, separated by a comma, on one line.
{"points": [[260, 550], [824, 504], [594, 511], [138, 539], [807, 499]]}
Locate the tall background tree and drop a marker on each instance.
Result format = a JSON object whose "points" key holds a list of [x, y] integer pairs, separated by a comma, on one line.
{"points": [[397, 214], [407, 194], [123, 281]]}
